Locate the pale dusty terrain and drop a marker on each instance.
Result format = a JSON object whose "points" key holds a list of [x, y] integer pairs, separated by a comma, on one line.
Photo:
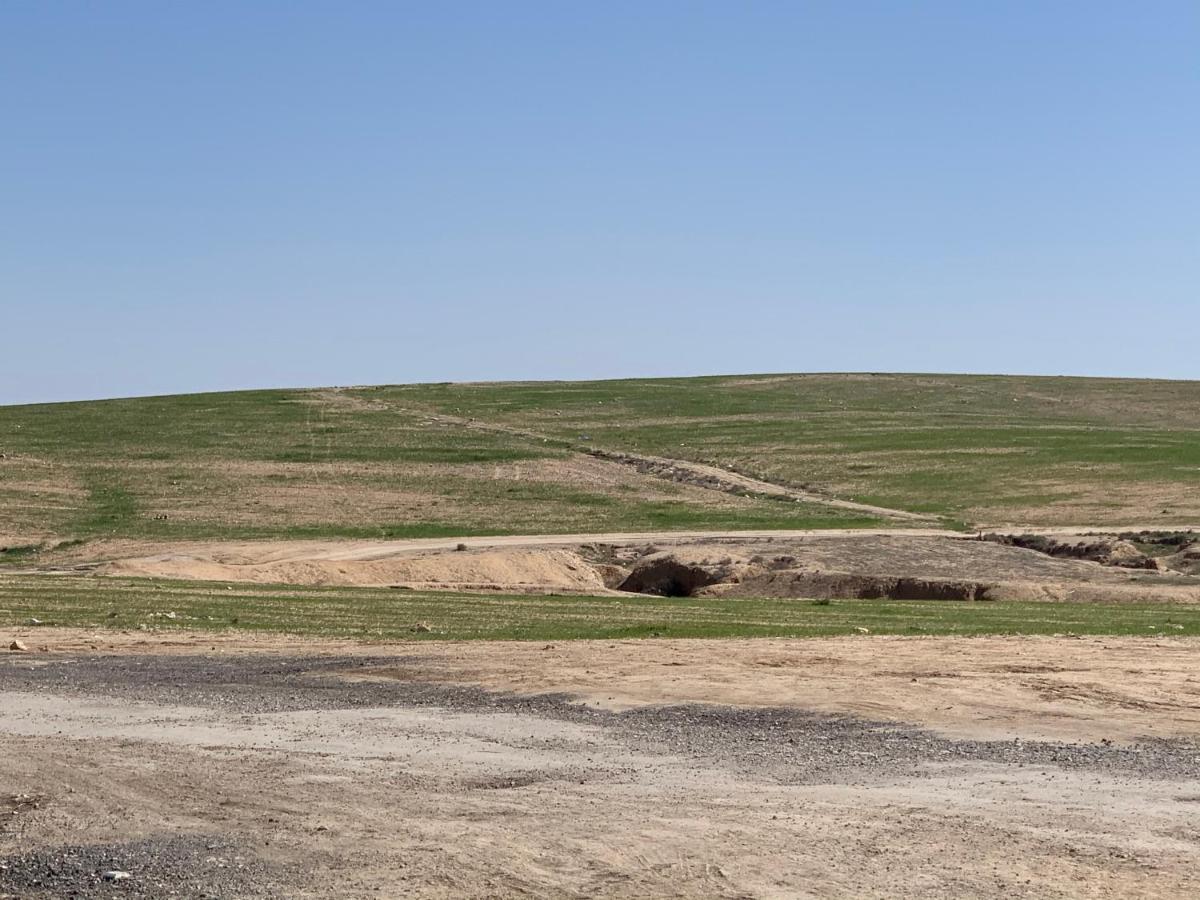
{"points": [[747, 564], [227, 766]]}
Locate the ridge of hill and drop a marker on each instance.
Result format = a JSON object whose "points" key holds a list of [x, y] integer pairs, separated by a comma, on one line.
{"points": [[721, 452]]}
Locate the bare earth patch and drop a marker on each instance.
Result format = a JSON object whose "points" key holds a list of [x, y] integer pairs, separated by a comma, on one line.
{"points": [[514, 570], [824, 768], [902, 564]]}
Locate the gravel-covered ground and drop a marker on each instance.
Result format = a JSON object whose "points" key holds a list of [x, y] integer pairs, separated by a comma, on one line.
{"points": [[359, 774], [201, 866], [788, 745]]}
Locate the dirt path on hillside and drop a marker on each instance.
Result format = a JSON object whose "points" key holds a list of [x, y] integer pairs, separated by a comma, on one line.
{"points": [[285, 768], [733, 482], [693, 473], [681, 471]]}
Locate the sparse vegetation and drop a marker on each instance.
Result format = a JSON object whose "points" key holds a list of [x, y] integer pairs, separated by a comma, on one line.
{"points": [[440, 460], [132, 603], [975, 448]]}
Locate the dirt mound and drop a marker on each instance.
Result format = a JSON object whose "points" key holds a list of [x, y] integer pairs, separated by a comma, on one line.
{"points": [[829, 565], [1176, 539], [853, 586], [613, 576], [500, 570], [856, 586], [907, 568], [1108, 551], [1126, 556], [1186, 561], [684, 574]]}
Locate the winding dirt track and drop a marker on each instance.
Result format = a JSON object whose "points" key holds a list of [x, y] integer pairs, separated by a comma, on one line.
{"points": [[699, 474]]}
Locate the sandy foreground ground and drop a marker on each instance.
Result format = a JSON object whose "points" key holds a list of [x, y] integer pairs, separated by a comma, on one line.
{"points": [[227, 766]]}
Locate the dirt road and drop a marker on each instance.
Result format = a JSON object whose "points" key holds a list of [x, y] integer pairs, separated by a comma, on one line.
{"points": [[366, 550], [225, 767]]}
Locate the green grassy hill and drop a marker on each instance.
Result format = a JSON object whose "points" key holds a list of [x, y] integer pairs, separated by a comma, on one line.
{"points": [[454, 459]]}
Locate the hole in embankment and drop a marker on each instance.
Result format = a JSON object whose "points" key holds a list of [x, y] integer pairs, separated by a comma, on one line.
{"points": [[669, 578]]}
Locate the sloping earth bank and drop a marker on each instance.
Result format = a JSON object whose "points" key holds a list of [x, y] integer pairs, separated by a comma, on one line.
{"points": [[511, 570], [908, 565]]}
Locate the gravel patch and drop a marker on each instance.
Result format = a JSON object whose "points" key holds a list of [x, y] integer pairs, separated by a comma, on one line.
{"points": [[783, 745], [168, 866]]}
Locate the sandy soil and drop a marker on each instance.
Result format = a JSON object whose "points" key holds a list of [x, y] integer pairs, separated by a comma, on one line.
{"points": [[1095, 689], [829, 768], [507, 562], [978, 688], [754, 563], [513, 570]]}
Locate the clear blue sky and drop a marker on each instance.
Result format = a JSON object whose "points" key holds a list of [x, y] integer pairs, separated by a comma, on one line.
{"points": [[221, 195]]}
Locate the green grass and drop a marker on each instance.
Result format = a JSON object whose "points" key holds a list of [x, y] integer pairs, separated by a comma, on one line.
{"points": [[391, 614], [974, 448], [378, 461]]}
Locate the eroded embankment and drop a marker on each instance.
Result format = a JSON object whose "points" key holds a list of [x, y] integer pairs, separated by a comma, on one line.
{"points": [[914, 566], [1158, 551], [514, 570]]}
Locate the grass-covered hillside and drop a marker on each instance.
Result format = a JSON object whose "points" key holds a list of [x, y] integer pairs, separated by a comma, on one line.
{"points": [[453, 459]]}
